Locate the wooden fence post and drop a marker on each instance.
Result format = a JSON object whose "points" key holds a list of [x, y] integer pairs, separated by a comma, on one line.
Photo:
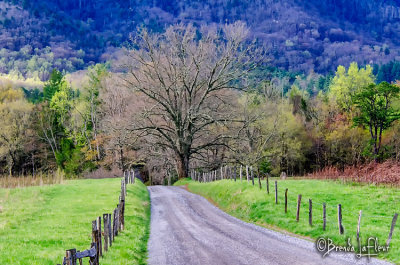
{"points": [[341, 229], [310, 212], [110, 231], [240, 172], [234, 172], [252, 175], [95, 240], [286, 191], [105, 224], [358, 225], [394, 220], [94, 260], [276, 192], [324, 216], [115, 229], [267, 183], [99, 235], [122, 214], [298, 208], [70, 255], [123, 187], [259, 178], [247, 173]]}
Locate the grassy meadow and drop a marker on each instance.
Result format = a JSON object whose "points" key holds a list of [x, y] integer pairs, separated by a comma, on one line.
{"points": [[251, 204], [37, 224]]}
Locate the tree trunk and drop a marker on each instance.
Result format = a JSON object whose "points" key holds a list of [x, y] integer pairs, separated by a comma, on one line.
{"points": [[182, 164]]}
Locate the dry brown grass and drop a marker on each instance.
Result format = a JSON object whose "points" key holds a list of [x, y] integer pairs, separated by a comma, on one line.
{"points": [[102, 173], [387, 173], [26, 181]]}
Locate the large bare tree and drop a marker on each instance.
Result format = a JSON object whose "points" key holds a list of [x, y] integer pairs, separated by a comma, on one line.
{"points": [[185, 79]]}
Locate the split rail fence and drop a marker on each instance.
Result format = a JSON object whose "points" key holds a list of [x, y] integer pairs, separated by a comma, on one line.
{"points": [[102, 239], [235, 173]]}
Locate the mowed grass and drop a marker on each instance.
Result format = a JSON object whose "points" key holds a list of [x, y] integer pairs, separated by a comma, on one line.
{"points": [[37, 224], [249, 203]]}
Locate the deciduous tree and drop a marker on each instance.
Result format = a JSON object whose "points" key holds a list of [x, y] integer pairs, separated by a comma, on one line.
{"points": [[376, 111], [185, 77]]}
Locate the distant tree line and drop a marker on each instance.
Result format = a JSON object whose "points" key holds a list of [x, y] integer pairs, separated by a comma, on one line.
{"points": [[184, 99]]}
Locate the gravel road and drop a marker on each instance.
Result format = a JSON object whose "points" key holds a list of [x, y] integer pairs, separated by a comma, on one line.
{"points": [[188, 230]]}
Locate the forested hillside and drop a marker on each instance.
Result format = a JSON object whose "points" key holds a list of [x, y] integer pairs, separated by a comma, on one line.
{"points": [[188, 97], [39, 35]]}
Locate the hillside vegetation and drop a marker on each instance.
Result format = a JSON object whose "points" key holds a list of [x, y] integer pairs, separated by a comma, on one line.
{"points": [[38, 35]]}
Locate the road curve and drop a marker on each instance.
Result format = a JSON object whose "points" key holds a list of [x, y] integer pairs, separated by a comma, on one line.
{"points": [[188, 230]]}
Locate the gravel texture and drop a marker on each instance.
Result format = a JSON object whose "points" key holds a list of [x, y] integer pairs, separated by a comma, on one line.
{"points": [[186, 229]]}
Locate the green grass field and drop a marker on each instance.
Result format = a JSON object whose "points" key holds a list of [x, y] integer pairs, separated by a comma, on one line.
{"points": [[37, 224], [251, 204]]}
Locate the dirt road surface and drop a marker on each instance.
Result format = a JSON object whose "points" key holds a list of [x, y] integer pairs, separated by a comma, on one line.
{"points": [[188, 230]]}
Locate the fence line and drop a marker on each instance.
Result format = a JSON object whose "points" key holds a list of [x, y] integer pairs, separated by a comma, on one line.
{"points": [[112, 224], [247, 171]]}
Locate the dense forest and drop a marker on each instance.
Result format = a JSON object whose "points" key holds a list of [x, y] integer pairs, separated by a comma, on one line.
{"points": [[185, 98], [39, 35]]}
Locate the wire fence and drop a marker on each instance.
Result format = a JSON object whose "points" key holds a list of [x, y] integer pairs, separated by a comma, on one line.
{"points": [[246, 173], [103, 237]]}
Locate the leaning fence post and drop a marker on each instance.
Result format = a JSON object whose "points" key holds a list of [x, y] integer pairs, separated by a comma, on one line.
{"points": [[70, 255], [358, 225], [324, 216], [298, 208], [259, 178], [286, 191], [341, 229], [394, 220], [310, 212]]}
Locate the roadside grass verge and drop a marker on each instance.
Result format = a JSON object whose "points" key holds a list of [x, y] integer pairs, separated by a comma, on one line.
{"points": [[37, 224], [251, 204]]}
